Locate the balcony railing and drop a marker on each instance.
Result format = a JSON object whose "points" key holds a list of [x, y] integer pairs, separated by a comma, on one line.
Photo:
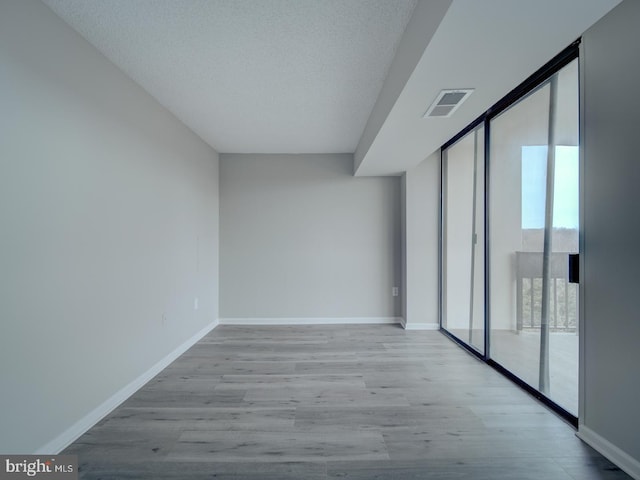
{"points": [[564, 295]]}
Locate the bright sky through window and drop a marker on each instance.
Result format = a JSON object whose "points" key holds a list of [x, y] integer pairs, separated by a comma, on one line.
{"points": [[566, 187]]}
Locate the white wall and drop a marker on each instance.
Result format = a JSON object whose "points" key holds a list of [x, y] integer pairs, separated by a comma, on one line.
{"points": [[611, 73], [302, 238], [109, 218], [422, 205]]}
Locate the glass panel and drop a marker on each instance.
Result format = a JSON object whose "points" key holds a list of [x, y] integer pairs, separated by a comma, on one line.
{"points": [[463, 239], [534, 226]]}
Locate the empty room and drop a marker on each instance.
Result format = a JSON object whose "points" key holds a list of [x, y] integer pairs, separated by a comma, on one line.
{"points": [[319, 239]]}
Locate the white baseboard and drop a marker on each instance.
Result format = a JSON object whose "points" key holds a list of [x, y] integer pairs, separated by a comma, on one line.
{"points": [[309, 321], [71, 434], [622, 459], [420, 326]]}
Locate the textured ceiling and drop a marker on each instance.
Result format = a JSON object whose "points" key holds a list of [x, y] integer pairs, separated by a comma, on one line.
{"points": [[253, 76]]}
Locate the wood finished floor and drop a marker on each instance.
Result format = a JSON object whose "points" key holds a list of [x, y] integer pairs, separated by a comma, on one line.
{"points": [[520, 353], [333, 402]]}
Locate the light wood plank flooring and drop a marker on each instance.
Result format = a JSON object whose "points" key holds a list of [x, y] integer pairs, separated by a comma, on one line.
{"points": [[327, 402], [519, 352]]}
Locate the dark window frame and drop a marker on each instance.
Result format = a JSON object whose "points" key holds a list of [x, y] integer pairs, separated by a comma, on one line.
{"points": [[527, 87]]}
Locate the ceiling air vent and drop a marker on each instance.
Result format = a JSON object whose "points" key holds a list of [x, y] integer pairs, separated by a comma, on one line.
{"points": [[447, 102]]}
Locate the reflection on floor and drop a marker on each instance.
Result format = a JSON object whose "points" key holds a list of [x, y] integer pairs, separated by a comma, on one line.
{"points": [[520, 353], [328, 402]]}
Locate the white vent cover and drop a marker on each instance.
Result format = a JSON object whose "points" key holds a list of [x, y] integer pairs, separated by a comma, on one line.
{"points": [[447, 102]]}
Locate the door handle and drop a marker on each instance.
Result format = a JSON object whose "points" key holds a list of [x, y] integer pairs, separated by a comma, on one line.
{"points": [[574, 268]]}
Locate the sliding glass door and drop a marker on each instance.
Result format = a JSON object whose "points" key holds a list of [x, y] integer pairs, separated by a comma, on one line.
{"points": [[509, 226], [463, 239], [533, 213]]}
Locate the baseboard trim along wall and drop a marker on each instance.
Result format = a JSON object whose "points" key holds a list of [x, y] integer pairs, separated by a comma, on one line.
{"points": [[74, 432], [309, 321], [622, 459], [420, 326]]}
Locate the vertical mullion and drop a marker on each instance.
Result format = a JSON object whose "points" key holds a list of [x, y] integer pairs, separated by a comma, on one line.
{"points": [[441, 239], [486, 235], [474, 235]]}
